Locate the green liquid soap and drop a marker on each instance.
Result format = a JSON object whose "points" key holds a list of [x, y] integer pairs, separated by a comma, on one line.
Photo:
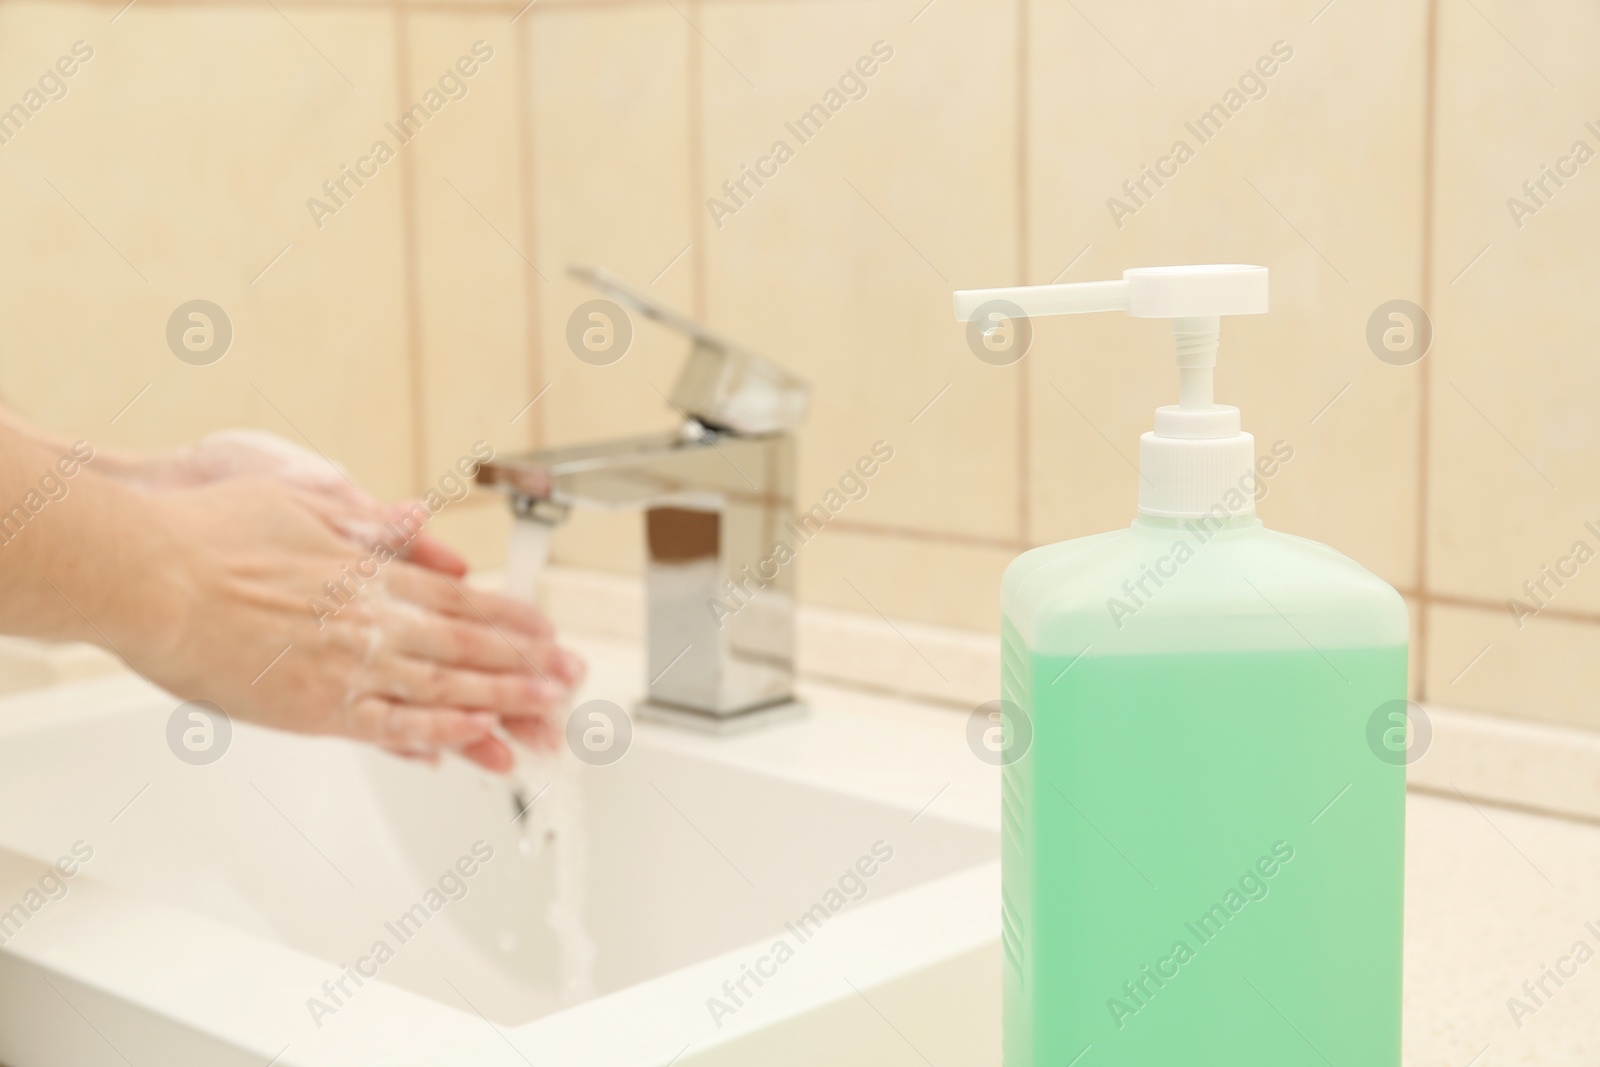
{"points": [[1203, 853]]}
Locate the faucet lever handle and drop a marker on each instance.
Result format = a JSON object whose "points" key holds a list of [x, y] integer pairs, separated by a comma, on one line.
{"points": [[722, 385]]}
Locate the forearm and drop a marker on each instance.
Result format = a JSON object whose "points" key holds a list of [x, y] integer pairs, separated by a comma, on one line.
{"points": [[108, 462], [80, 555]]}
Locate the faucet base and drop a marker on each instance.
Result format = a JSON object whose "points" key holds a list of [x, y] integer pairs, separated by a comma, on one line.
{"points": [[722, 725]]}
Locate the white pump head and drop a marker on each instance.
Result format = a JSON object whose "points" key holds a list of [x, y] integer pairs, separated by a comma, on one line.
{"points": [[1197, 461]]}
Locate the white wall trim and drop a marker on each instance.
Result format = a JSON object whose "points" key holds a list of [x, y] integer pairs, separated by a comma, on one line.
{"points": [[1502, 760]]}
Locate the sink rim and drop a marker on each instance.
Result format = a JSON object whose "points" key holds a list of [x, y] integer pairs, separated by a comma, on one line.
{"points": [[162, 960]]}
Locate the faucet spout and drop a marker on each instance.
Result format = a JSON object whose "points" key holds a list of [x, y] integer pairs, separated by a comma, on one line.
{"points": [[719, 580], [718, 497], [632, 472]]}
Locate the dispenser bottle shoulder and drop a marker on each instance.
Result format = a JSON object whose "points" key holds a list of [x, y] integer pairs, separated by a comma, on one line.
{"points": [[1185, 587]]}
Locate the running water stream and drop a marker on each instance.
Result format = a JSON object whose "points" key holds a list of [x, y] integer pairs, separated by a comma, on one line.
{"points": [[549, 794]]}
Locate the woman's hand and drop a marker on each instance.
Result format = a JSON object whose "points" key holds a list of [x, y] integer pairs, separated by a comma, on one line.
{"points": [[280, 620], [231, 454]]}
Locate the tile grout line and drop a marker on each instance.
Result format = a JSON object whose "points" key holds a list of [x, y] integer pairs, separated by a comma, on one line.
{"points": [[431, 7], [1477, 793], [695, 117], [1024, 369], [411, 266], [908, 533], [527, 153], [1450, 600], [1430, 135]]}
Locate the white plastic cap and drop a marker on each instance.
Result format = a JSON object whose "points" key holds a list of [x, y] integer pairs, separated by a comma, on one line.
{"points": [[1197, 461]]}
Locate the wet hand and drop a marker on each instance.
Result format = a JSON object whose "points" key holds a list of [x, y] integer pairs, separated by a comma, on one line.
{"points": [[278, 615]]}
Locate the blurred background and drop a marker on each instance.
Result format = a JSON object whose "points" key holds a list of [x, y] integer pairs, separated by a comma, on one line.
{"points": [[426, 308]]}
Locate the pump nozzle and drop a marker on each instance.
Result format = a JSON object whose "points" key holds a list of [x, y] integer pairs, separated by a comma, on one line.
{"points": [[1192, 297], [1197, 447]]}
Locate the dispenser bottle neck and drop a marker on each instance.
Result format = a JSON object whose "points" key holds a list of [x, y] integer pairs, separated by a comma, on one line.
{"points": [[1196, 340]]}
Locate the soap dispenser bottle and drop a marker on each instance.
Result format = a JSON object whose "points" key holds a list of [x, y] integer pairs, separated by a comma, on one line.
{"points": [[1202, 839]]}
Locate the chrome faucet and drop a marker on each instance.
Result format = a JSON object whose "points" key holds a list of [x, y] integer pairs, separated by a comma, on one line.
{"points": [[716, 494]]}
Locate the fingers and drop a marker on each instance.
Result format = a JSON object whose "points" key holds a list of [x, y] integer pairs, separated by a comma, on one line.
{"points": [[430, 758], [359, 523], [490, 754], [430, 631], [433, 554], [467, 645], [413, 728], [372, 527], [537, 731], [429, 576], [440, 594], [420, 732], [405, 523], [454, 665], [418, 681]]}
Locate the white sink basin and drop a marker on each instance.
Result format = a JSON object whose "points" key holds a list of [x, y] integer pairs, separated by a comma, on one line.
{"points": [[220, 898]]}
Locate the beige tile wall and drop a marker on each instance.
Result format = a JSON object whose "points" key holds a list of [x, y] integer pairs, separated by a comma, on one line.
{"points": [[177, 167], [1321, 178], [1513, 430], [842, 266], [430, 312], [609, 114]]}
